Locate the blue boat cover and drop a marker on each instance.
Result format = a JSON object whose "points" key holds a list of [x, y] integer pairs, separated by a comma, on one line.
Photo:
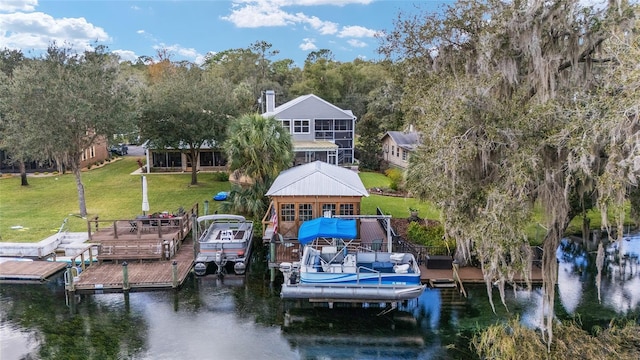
{"points": [[328, 228]]}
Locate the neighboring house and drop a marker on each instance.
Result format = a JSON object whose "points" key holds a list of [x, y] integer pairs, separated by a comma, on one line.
{"points": [[397, 147], [320, 130], [176, 159], [96, 154], [309, 191]]}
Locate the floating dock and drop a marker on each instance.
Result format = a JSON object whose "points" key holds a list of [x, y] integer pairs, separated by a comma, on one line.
{"points": [[27, 272]]}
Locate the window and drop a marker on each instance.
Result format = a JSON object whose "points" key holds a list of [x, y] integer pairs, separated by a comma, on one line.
{"points": [[92, 152], [288, 212], [321, 124], [404, 154], [305, 212], [393, 150], [346, 209], [344, 125], [301, 126], [286, 124], [329, 207], [206, 158]]}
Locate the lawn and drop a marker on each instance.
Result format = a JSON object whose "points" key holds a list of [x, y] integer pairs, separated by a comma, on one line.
{"points": [[34, 212]]}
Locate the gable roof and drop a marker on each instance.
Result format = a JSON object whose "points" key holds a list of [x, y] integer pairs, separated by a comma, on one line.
{"points": [[405, 140], [318, 178], [309, 104]]}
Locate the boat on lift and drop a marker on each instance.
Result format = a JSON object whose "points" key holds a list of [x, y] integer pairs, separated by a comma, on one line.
{"points": [[225, 245], [332, 269]]}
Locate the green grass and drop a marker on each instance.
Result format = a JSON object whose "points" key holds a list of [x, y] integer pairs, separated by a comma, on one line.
{"points": [[374, 179], [111, 193]]}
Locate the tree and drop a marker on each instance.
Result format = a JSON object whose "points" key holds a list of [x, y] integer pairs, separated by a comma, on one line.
{"points": [[505, 95], [66, 101], [19, 150], [187, 108], [257, 148]]}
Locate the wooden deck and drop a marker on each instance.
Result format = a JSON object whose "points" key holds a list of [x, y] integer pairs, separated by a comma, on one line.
{"points": [[468, 275], [141, 275], [29, 271]]}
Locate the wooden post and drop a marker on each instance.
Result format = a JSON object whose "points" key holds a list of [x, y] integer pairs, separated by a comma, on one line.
{"points": [[194, 234], [174, 269], [125, 276], [69, 278], [115, 229], [272, 259]]}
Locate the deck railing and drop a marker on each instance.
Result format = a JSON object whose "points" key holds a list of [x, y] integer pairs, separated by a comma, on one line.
{"points": [[119, 227]]}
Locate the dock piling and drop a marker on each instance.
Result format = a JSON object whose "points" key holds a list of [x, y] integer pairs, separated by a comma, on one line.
{"points": [[68, 276], [125, 276], [174, 269]]}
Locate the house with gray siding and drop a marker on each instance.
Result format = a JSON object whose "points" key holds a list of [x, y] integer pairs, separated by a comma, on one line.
{"points": [[320, 130]]}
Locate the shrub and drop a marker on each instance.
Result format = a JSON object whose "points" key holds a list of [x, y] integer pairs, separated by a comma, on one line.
{"points": [[425, 235], [220, 176], [395, 177]]}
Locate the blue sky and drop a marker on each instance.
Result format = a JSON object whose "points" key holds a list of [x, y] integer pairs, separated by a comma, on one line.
{"points": [[191, 29]]}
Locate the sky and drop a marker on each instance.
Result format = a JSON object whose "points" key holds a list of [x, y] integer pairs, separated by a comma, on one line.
{"points": [[191, 29]]}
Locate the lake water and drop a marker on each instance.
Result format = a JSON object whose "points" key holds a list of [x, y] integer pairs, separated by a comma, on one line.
{"points": [[244, 318]]}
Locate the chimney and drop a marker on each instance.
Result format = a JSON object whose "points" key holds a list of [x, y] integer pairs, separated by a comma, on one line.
{"points": [[271, 100]]}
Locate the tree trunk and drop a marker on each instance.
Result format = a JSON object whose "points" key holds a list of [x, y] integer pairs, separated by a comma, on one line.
{"points": [[23, 174], [194, 167], [81, 201]]}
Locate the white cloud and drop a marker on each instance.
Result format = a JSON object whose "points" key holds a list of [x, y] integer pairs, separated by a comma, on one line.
{"points": [[308, 45], [38, 30], [126, 55], [280, 3], [357, 32], [324, 27], [189, 54], [18, 5], [357, 43]]}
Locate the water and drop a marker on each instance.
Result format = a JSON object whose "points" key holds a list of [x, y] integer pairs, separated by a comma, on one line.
{"points": [[238, 318]]}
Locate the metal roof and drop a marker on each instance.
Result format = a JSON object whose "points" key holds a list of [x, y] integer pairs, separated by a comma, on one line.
{"points": [[317, 145], [309, 105], [407, 140], [318, 179]]}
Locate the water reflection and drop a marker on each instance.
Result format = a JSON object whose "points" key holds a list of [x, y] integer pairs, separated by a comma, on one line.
{"points": [[620, 286], [240, 318]]}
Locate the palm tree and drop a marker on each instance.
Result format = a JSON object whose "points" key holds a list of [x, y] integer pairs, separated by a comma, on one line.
{"points": [[258, 148]]}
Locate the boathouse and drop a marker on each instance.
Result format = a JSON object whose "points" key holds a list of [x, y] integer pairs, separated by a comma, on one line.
{"points": [[309, 191]]}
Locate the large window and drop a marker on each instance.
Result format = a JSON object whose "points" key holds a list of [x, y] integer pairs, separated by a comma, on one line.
{"points": [[301, 126], [344, 125], [305, 212], [329, 207], [167, 159], [206, 158], [286, 124], [404, 154], [288, 212], [346, 209]]}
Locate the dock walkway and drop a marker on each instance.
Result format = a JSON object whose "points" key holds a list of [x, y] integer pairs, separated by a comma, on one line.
{"points": [[141, 275], [467, 275]]}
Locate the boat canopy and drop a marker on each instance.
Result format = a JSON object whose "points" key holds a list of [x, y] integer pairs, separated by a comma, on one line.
{"points": [[327, 228]]}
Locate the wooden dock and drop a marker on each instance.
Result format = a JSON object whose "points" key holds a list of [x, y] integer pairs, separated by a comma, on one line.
{"points": [[37, 271], [467, 275], [156, 274]]}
